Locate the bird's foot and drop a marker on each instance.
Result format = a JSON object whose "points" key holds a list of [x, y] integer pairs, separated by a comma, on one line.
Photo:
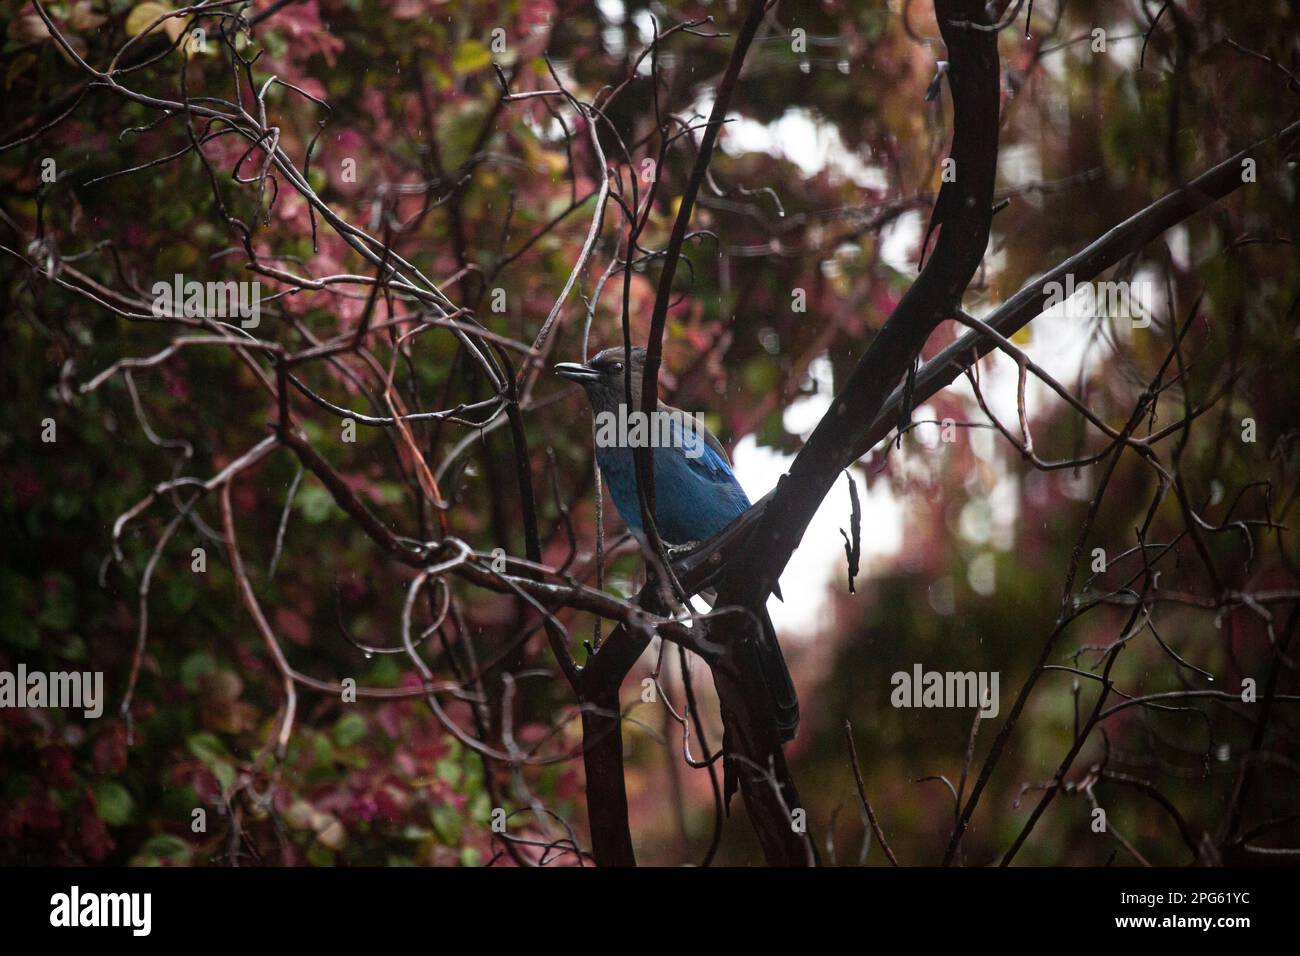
{"points": [[675, 551]]}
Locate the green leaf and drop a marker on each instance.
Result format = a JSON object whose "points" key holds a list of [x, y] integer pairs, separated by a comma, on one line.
{"points": [[448, 772], [447, 822], [315, 503], [19, 631], [480, 807], [20, 65], [113, 803], [58, 613], [194, 667], [65, 505], [322, 751], [458, 128], [208, 748], [350, 729], [386, 672], [319, 855], [163, 849], [470, 57], [182, 593], [143, 16]]}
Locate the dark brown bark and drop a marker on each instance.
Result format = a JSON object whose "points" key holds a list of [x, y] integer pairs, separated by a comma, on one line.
{"points": [[963, 215], [602, 735], [602, 741]]}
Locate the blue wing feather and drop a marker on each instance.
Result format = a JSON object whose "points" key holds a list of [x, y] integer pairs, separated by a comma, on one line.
{"points": [[696, 494]]}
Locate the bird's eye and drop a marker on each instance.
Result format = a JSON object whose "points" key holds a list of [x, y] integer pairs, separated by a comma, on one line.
{"points": [[617, 367]]}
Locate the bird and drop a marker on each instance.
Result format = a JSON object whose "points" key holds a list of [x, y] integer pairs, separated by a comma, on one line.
{"points": [[696, 492]]}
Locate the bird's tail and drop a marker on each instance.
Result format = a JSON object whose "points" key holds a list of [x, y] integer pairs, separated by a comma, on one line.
{"points": [[785, 702]]}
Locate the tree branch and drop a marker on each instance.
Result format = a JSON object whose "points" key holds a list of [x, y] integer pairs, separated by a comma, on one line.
{"points": [[963, 214]]}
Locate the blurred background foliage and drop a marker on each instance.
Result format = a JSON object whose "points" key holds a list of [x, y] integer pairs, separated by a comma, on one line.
{"points": [[823, 185]]}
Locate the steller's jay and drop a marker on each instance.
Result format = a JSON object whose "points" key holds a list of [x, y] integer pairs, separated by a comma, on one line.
{"points": [[696, 494]]}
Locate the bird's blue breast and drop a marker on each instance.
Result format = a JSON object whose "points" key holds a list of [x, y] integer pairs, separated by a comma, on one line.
{"points": [[695, 497]]}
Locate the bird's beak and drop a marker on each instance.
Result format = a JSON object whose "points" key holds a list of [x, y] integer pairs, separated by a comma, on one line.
{"points": [[577, 372]]}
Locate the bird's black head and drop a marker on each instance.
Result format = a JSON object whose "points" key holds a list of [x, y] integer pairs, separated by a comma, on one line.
{"points": [[603, 377]]}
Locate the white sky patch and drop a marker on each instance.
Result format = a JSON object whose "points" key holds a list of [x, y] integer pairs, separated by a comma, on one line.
{"points": [[803, 139], [1123, 47], [900, 241], [614, 14], [1059, 343], [645, 27], [1180, 246], [818, 564], [1019, 164]]}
